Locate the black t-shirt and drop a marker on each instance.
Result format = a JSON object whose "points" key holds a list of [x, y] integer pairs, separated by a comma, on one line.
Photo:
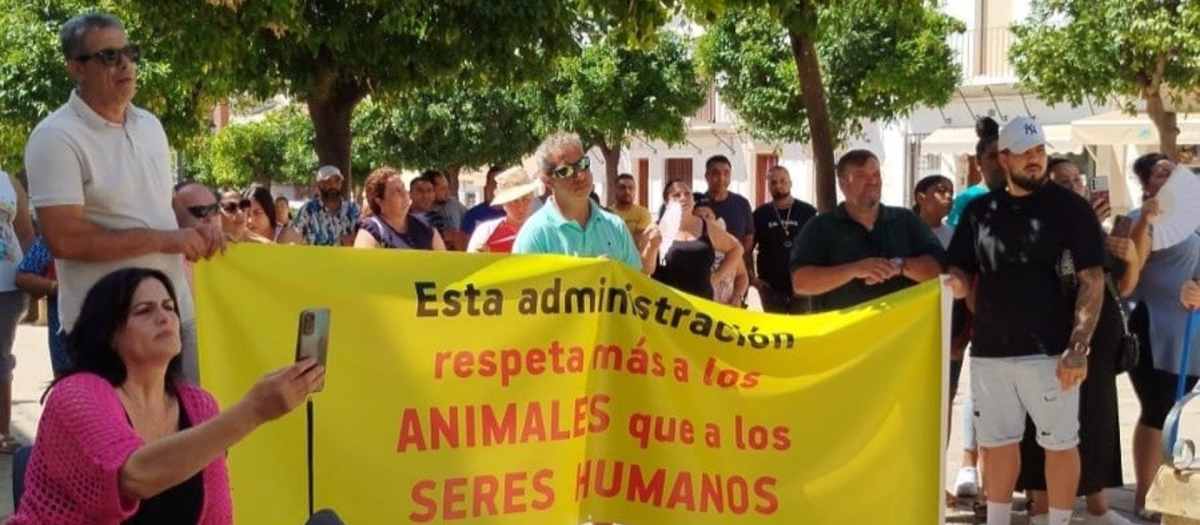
{"points": [[1015, 245], [775, 230]]}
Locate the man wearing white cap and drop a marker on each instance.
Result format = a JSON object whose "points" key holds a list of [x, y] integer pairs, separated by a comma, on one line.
{"points": [[515, 192], [1030, 347], [328, 219]]}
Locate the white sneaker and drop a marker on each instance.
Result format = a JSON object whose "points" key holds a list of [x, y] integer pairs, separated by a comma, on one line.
{"points": [[966, 483], [1108, 518]]}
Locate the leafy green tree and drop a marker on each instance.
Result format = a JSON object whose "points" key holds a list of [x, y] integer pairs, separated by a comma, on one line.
{"points": [[612, 90], [447, 127], [1070, 50], [277, 148], [814, 70], [34, 81], [331, 54]]}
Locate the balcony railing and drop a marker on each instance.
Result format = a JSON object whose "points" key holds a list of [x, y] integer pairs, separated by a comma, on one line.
{"points": [[983, 55]]}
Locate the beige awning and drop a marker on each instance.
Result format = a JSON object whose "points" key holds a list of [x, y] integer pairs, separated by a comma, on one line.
{"points": [[1120, 128], [961, 141]]}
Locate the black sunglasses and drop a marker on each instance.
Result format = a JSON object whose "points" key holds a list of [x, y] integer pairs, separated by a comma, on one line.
{"points": [[568, 170], [201, 212], [112, 56], [233, 206]]}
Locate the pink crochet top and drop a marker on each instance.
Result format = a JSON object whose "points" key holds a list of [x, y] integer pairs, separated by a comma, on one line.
{"points": [[83, 439]]}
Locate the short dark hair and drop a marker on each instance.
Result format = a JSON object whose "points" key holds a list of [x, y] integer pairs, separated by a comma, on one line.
{"points": [[623, 176], [714, 160], [924, 185], [1055, 162], [1144, 166], [432, 175], [104, 312], [854, 157], [73, 32], [414, 182]]}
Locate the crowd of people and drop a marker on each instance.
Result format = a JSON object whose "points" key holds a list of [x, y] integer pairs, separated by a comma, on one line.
{"points": [[1050, 306]]}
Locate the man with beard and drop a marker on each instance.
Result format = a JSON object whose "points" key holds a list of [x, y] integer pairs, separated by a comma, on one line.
{"points": [[777, 224], [328, 219], [636, 217], [571, 223], [862, 250], [1031, 341]]}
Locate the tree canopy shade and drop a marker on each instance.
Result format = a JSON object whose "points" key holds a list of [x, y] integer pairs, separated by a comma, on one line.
{"points": [[277, 148], [1069, 50], [826, 66], [448, 127], [34, 81], [331, 54], [612, 90]]}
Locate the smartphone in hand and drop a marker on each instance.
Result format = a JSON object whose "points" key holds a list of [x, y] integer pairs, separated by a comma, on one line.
{"points": [[1098, 189], [1122, 226], [312, 336]]}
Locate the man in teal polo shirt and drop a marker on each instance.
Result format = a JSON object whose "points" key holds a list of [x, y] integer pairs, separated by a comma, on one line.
{"points": [[862, 250], [571, 223]]}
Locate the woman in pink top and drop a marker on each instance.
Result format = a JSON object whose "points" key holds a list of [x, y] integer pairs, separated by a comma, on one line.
{"points": [[122, 438]]}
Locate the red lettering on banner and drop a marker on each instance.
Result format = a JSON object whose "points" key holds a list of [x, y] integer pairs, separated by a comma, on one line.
{"points": [[758, 437], [535, 426], [485, 495], [488, 495], [453, 493], [499, 431], [728, 378], [662, 429], [421, 500], [764, 488], [468, 426], [541, 485], [697, 492], [681, 492]]}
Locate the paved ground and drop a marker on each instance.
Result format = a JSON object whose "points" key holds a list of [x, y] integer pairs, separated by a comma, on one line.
{"points": [[33, 375]]}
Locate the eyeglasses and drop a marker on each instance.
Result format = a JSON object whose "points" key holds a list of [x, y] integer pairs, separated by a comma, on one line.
{"points": [[201, 212], [112, 56], [568, 170], [232, 207]]}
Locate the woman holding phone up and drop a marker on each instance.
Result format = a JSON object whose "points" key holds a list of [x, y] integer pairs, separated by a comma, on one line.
{"points": [[123, 439]]}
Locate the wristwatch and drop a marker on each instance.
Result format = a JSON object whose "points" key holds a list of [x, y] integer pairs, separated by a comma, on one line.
{"points": [[1079, 348], [899, 262]]}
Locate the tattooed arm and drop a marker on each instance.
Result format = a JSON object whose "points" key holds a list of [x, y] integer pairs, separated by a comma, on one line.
{"points": [[1072, 366]]}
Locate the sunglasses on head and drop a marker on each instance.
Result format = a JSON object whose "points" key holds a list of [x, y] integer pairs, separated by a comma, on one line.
{"points": [[201, 212], [112, 56], [568, 170], [233, 206]]}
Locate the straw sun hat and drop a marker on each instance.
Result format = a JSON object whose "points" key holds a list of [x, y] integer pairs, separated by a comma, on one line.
{"points": [[513, 184]]}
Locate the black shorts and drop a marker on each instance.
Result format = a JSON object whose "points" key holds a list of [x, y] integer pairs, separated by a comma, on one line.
{"points": [[1155, 388]]}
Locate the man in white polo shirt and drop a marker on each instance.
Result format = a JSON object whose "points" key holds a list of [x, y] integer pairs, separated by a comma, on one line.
{"points": [[100, 178]]}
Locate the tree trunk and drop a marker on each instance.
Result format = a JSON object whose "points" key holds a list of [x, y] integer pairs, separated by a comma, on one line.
{"points": [[331, 102], [1165, 122], [812, 91], [612, 161]]}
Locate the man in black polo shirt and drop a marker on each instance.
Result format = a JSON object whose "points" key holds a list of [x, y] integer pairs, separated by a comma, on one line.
{"points": [[1029, 350], [777, 225], [862, 250]]}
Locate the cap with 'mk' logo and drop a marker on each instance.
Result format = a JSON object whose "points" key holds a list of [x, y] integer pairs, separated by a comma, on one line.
{"points": [[1020, 135]]}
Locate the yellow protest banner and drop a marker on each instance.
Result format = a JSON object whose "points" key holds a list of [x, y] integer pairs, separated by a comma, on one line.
{"points": [[555, 390]]}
